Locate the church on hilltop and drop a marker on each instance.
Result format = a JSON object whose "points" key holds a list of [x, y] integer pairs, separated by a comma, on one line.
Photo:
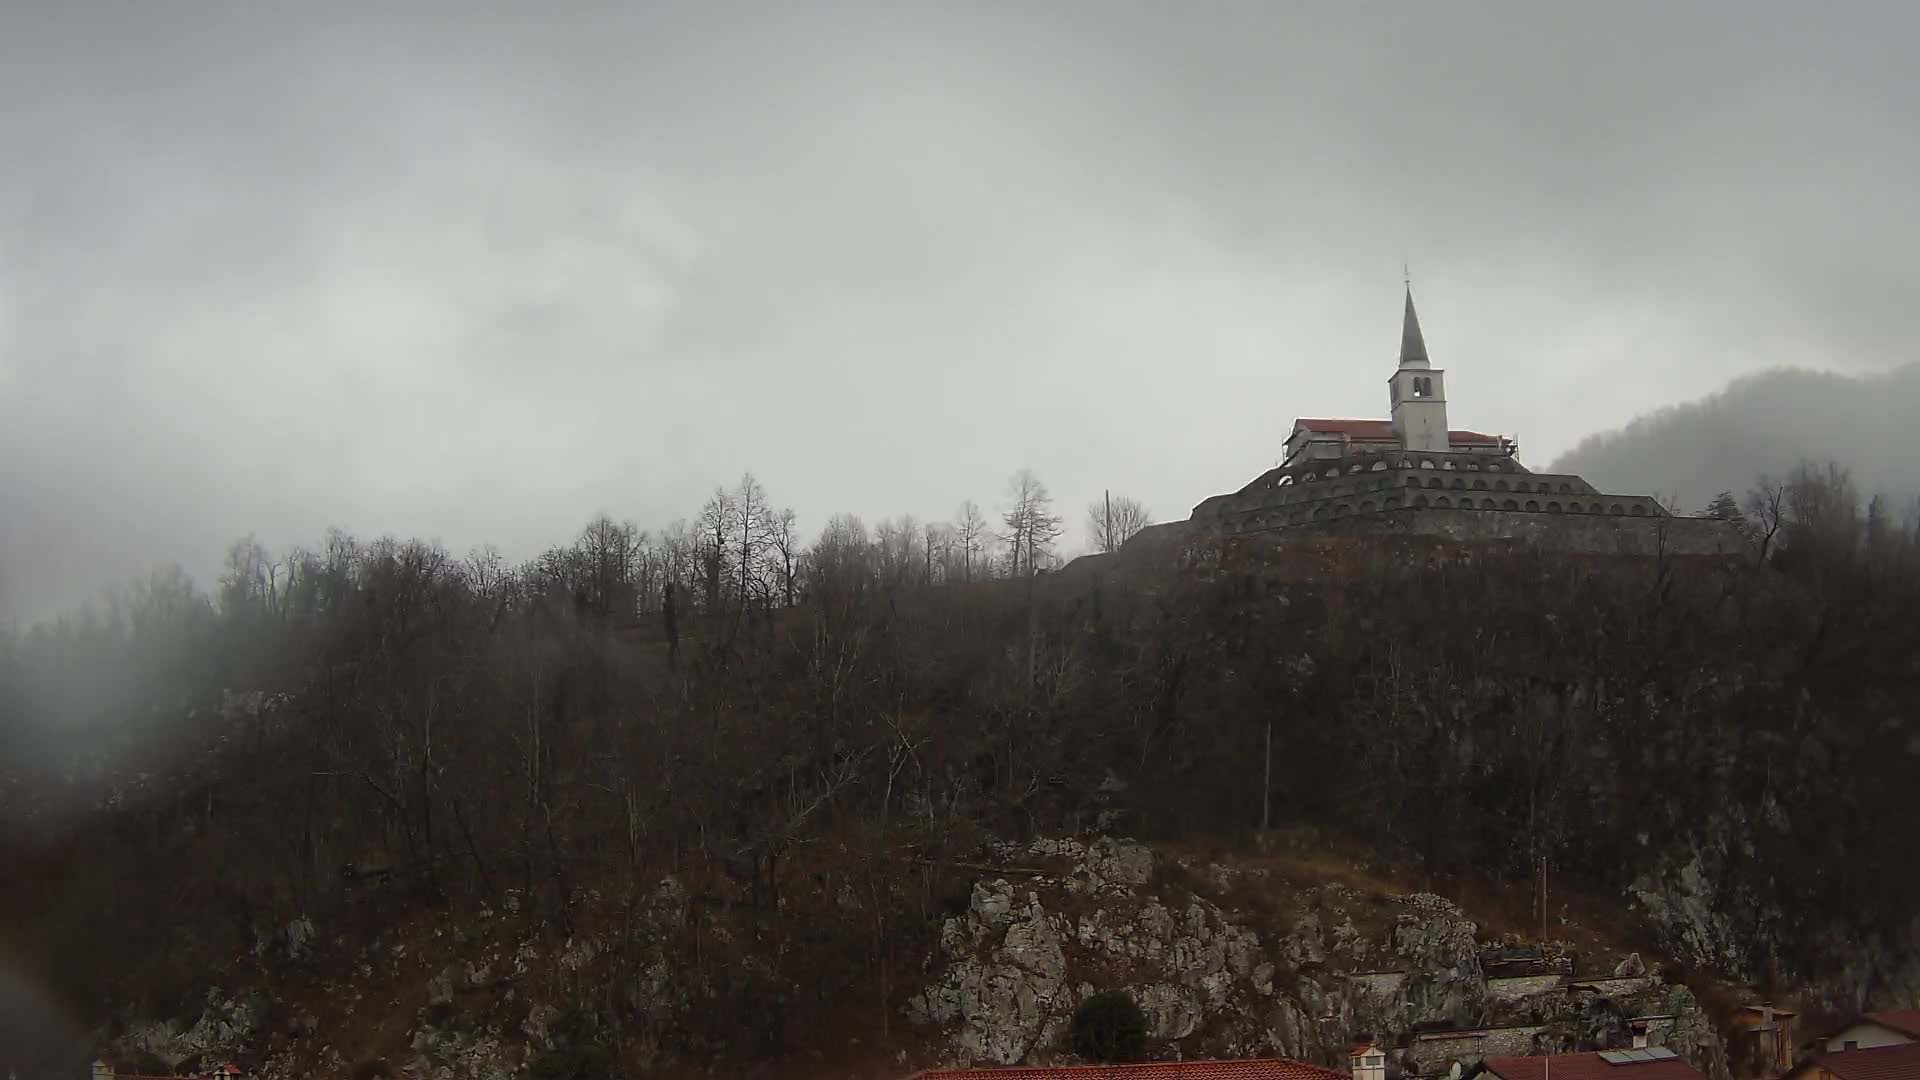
{"points": [[1415, 473]]}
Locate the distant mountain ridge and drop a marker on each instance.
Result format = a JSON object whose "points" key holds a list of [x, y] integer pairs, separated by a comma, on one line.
{"points": [[1765, 423]]}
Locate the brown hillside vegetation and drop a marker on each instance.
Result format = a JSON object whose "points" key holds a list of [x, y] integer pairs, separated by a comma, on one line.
{"points": [[550, 745]]}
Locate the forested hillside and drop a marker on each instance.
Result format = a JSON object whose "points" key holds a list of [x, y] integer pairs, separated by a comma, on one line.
{"points": [[366, 733], [1765, 424]]}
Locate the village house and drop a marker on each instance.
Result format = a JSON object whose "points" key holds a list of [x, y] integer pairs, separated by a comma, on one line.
{"points": [[1875, 1046], [1893, 1028], [1898, 1061], [1646, 1063]]}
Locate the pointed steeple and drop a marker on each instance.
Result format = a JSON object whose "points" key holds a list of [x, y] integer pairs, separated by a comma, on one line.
{"points": [[1413, 347], [1418, 391]]}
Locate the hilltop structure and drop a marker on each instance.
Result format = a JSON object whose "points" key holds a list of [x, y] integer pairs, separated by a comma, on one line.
{"points": [[1415, 473]]}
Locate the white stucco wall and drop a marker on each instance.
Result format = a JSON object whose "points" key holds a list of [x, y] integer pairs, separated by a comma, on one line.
{"points": [[1421, 422], [1866, 1037]]}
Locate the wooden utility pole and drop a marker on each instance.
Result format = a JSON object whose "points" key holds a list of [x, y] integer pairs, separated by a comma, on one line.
{"points": [[1107, 540], [1543, 898], [1266, 785]]}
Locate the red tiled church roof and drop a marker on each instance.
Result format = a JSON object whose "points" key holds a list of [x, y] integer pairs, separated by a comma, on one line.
{"points": [[1379, 429], [1901, 1062], [1904, 1021], [1248, 1069], [1589, 1067]]}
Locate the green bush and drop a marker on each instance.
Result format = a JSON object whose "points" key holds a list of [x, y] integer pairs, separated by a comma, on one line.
{"points": [[1108, 1028]]}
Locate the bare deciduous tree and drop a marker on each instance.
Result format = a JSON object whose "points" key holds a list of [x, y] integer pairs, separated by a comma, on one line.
{"points": [[247, 584], [1113, 521], [1825, 508], [970, 534], [897, 543], [1766, 512], [752, 526], [605, 566], [938, 547], [715, 538], [1032, 526], [841, 560], [783, 553]]}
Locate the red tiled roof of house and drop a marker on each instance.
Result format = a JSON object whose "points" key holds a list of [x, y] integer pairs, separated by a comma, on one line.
{"points": [[1379, 429], [1904, 1021], [1901, 1062], [1589, 1067], [1248, 1069]]}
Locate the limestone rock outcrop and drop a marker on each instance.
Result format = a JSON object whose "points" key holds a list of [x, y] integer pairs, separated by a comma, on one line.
{"points": [[1313, 970]]}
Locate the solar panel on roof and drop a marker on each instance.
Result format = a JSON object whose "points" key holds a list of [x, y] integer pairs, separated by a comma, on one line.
{"points": [[1615, 1057]]}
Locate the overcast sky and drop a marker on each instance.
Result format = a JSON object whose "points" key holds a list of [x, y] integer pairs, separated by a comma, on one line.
{"points": [[479, 274]]}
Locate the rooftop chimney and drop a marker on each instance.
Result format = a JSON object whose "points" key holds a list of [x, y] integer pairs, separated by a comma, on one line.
{"points": [[1369, 1062]]}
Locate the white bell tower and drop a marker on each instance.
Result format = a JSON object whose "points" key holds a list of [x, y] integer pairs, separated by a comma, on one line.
{"points": [[1419, 391]]}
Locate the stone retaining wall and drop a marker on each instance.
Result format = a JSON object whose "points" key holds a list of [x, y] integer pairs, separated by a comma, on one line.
{"points": [[1514, 988], [1599, 534]]}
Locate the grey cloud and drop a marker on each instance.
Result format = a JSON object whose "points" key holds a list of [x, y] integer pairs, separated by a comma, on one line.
{"points": [[480, 271]]}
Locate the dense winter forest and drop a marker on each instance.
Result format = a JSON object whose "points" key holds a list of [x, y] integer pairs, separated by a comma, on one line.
{"points": [[778, 721]]}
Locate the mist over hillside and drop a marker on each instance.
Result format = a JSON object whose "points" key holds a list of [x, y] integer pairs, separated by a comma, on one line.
{"points": [[1764, 423]]}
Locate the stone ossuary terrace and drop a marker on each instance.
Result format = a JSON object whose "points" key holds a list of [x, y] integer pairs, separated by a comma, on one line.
{"points": [[1372, 481], [1414, 473]]}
